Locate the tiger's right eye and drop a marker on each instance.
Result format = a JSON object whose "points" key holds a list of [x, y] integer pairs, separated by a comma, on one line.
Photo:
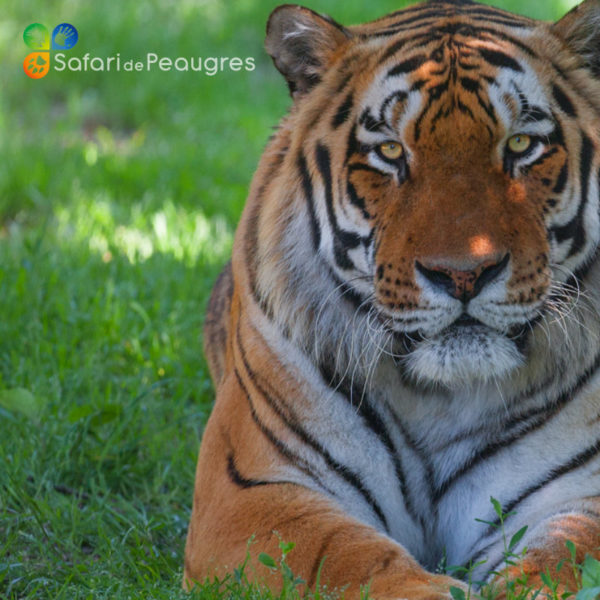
{"points": [[520, 143], [391, 150]]}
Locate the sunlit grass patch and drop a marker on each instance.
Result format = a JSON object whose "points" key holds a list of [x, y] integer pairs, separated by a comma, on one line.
{"points": [[186, 234]]}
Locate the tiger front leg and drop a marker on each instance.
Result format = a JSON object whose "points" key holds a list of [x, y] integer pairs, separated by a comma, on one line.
{"points": [[348, 554], [241, 492]]}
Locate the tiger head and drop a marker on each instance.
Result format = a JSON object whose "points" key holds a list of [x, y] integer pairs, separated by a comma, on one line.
{"points": [[446, 167]]}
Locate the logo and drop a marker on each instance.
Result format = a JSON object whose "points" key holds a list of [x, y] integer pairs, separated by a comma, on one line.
{"points": [[37, 64], [48, 49]]}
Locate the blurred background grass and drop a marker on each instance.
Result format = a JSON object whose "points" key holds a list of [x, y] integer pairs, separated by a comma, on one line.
{"points": [[119, 195]]}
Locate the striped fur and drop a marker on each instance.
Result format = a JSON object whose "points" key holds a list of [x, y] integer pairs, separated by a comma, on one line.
{"points": [[395, 342]]}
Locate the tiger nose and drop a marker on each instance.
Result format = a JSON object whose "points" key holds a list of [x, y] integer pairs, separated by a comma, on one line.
{"points": [[463, 285]]}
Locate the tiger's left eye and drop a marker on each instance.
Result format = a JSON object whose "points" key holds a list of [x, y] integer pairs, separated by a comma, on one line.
{"points": [[391, 150], [520, 143]]}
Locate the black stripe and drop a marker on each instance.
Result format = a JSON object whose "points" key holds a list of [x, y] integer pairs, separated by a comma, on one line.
{"points": [[580, 460], [539, 160], [369, 122], [293, 425], [441, 112], [398, 96], [493, 12], [471, 85], [395, 30], [395, 47], [374, 422], [550, 410], [322, 553], [307, 187], [534, 114], [557, 136], [405, 12], [342, 240], [243, 482], [495, 35], [418, 450], [343, 112], [581, 272], [362, 167], [499, 59], [407, 66], [575, 228], [343, 83], [434, 94], [357, 200], [353, 144], [411, 22], [463, 108], [500, 21], [563, 177], [563, 101], [297, 461], [488, 108]]}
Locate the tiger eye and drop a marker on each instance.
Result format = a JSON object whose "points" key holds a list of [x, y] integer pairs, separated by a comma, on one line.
{"points": [[520, 143], [391, 150]]}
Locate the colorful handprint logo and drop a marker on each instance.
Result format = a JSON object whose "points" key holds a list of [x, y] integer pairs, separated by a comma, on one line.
{"points": [[37, 64], [64, 37]]}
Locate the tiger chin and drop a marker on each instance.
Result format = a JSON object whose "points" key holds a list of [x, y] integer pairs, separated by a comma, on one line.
{"points": [[409, 324]]}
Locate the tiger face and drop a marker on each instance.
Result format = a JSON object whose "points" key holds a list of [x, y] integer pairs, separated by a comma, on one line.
{"points": [[453, 177]]}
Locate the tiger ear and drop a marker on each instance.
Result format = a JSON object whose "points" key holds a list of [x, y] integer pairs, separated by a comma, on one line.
{"points": [[302, 44], [580, 29]]}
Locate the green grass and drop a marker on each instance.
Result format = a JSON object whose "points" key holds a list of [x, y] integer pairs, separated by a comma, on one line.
{"points": [[119, 195]]}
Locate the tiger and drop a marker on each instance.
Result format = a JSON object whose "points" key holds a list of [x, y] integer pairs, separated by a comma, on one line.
{"points": [[409, 324]]}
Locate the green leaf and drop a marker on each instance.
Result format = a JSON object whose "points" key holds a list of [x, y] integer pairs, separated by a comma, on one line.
{"points": [[497, 507], [267, 560], [590, 572], [560, 564], [490, 523], [571, 547], [515, 539], [286, 547], [22, 401], [457, 593], [588, 594], [545, 577]]}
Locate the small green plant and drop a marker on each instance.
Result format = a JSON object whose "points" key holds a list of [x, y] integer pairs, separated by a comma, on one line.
{"points": [[292, 585], [516, 588], [291, 582], [590, 579], [586, 575]]}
